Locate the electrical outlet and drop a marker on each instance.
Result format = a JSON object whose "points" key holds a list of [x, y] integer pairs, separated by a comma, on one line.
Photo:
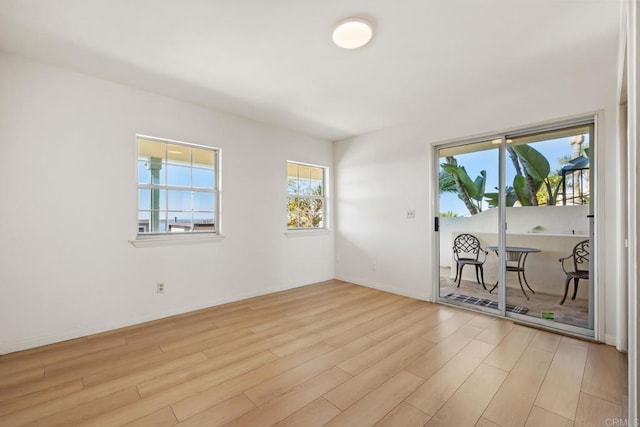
{"points": [[411, 214], [160, 287]]}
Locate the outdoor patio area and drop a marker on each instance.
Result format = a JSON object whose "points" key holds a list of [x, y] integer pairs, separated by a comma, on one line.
{"points": [[572, 312]]}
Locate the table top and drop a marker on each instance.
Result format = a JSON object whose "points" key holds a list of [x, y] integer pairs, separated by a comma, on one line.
{"points": [[514, 249]]}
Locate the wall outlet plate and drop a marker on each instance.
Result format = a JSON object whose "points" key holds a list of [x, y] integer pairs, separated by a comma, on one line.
{"points": [[160, 287]]}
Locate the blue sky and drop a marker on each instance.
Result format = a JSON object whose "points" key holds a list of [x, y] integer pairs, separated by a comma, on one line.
{"points": [[177, 204], [487, 160]]}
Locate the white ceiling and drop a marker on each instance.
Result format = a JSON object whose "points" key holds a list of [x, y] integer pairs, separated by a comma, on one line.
{"points": [[274, 61]]}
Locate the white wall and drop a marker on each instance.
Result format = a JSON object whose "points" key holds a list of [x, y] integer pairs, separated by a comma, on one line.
{"points": [[68, 201], [395, 167], [377, 180]]}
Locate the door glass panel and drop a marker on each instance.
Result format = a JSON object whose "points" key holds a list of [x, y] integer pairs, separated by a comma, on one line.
{"points": [[548, 202], [468, 224]]}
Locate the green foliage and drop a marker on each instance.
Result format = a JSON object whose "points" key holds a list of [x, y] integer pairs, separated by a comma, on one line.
{"points": [[305, 212], [546, 198], [521, 188], [510, 197], [446, 183], [541, 185], [449, 214], [534, 184], [535, 163], [470, 192], [479, 185]]}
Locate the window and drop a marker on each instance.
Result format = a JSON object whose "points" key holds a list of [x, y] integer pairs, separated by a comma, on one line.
{"points": [[177, 187], [306, 205]]}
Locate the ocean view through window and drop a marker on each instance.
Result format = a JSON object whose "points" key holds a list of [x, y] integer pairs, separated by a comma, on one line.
{"points": [[177, 187]]}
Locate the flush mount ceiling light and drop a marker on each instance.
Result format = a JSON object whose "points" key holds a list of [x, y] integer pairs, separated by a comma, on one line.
{"points": [[352, 33]]}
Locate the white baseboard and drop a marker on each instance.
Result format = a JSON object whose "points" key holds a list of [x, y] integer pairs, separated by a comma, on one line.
{"points": [[423, 296], [610, 339], [10, 347], [64, 335]]}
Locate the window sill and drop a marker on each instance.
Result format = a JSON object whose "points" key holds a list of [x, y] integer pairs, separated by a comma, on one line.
{"points": [[175, 240], [303, 233]]}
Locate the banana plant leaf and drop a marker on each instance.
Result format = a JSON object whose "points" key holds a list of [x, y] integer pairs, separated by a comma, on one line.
{"points": [[446, 183], [492, 199], [537, 165], [479, 185], [522, 190], [474, 189], [510, 198]]}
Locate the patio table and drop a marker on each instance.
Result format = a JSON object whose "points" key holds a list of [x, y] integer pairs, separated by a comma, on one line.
{"points": [[517, 255]]}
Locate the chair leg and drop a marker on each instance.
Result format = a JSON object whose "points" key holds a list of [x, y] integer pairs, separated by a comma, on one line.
{"points": [[478, 273], [566, 289], [482, 277], [460, 274], [575, 288], [457, 272]]}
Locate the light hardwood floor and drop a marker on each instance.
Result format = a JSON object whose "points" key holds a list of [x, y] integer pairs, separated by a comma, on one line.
{"points": [[332, 354]]}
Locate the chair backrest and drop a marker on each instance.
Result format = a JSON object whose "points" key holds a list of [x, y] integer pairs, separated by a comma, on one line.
{"points": [[466, 246], [581, 256]]}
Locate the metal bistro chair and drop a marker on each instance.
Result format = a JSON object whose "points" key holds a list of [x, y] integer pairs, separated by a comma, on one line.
{"points": [[580, 257], [467, 250]]}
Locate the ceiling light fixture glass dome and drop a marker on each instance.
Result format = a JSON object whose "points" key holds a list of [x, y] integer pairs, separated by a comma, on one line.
{"points": [[352, 33]]}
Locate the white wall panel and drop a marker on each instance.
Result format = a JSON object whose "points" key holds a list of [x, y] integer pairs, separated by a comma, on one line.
{"points": [[68, 208], [381, 175]]}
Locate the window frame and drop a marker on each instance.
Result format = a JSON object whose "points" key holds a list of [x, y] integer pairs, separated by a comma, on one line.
{"points": [[169, 237], [324, 197]]}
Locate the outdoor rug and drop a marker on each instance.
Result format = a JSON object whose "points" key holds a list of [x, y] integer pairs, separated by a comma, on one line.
{"points": [[483, 302]]}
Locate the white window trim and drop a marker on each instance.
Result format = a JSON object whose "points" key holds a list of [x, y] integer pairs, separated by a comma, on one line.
{"points": [[302, 232], [154, 240], [168, 238]]}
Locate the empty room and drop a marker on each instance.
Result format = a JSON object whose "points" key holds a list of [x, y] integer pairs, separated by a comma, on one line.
{"points": [[341, 213]]}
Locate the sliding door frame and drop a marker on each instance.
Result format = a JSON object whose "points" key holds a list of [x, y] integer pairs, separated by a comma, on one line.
{"points": [[597, 229], [501, 311]]}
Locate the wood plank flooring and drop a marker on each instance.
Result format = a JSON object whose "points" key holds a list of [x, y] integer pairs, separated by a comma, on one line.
{"points": [[331, 354]]}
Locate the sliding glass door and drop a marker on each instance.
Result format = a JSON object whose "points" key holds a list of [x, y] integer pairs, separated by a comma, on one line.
{"points": [[468, 182], [525, 200], [548, 237]]}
